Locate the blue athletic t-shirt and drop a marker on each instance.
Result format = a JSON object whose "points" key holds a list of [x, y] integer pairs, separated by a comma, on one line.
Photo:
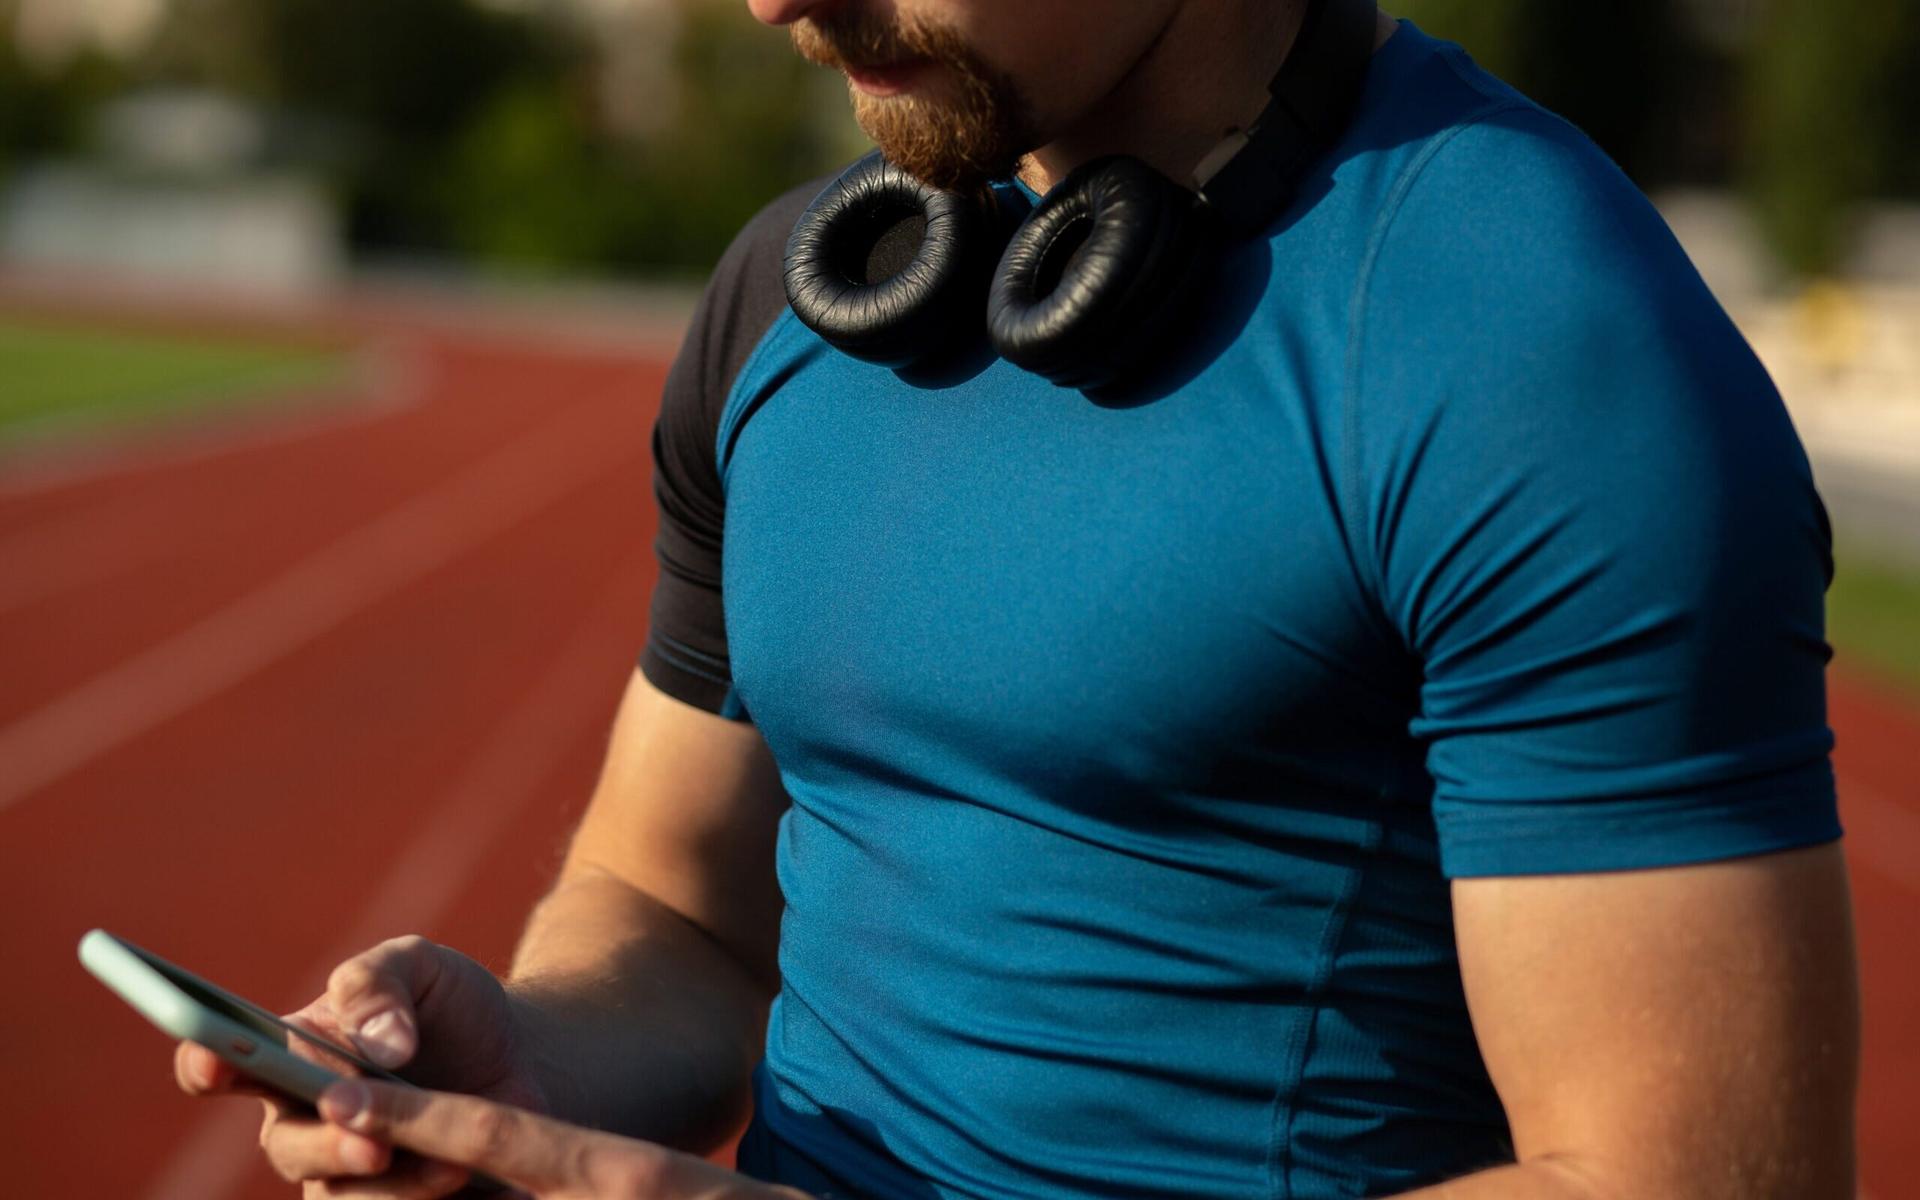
{"points": [[1131, 746]]}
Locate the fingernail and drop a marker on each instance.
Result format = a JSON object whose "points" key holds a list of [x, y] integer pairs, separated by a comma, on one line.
{"points": [[387, 1039], [345, 1103]]}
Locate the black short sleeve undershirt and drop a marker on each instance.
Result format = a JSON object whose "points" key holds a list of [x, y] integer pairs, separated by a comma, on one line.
{"points": [[686, 651]]}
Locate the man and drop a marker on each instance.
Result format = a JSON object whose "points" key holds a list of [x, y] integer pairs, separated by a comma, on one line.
{"points": [[1390, 761]]}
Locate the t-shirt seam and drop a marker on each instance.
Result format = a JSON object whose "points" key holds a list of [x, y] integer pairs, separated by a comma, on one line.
{"points": [[726, 435], [1300, 1045], [1505, 102], [1457, 61], [1353, 493]]}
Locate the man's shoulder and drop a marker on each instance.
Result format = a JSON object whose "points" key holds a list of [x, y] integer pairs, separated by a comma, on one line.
{"points": [[1519, 170], [1521, 292], [1461, 158], [1509, 192], [1509, 225], [744, 296]]}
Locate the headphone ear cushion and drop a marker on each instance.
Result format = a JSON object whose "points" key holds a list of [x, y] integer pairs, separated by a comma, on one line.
{"points": [[1093, 280], [889, 269]]}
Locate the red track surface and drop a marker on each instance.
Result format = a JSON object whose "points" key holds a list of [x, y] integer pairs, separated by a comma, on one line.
{"points": [[353, 680], [405, 749]]}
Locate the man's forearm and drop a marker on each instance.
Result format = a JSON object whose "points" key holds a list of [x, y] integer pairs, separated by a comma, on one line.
{"points": [[640, 1023]]}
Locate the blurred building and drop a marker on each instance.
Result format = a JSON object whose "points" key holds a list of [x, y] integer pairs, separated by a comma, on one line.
{"points": [[177, 192]]}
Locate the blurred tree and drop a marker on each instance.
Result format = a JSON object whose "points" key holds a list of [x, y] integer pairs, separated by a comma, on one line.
{"points": [[218, 44], [1821, 120], [20, 117], [1611, 69], [416, 70], [1903, 114], [1606, 68], [754, 119], [1493, 31], [44, 110], [389, 86], [469, 127], [535, 184], [473, 129], [529, 187]]}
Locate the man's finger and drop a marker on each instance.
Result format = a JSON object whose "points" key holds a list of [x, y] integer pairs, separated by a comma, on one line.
{"points": [[372, 997], [508, 1143], [301, 1148], [420, 1179], [199, 1071]]}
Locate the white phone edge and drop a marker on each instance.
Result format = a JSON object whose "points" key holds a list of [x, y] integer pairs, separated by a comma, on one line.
{"points": [[179, 1015]]}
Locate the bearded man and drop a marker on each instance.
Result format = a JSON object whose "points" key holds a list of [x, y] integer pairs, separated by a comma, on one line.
{"points": [[1371, 741]]}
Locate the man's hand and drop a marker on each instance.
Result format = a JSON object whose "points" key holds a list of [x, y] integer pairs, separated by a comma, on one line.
{"points": [[639, 994], [548, 1159], [382, 1002]]}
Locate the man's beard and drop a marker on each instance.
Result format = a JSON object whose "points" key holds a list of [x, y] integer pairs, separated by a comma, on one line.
{"points": [[957, 141]]}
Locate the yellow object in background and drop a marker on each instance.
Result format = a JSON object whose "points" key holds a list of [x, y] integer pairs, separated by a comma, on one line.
{"points": [[1831, 322]]}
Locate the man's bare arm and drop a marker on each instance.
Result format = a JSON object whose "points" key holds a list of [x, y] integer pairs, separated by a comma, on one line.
{"points": [[645, 975], [1690, 1033]]}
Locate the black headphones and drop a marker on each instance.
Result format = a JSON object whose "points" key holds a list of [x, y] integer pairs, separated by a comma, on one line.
{"points": [[1091, 279]]}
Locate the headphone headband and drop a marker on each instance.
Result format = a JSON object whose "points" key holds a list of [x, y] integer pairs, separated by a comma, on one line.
{"points": [[1252, 174]]}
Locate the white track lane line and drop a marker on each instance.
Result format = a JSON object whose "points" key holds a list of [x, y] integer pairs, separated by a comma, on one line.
{"points": [[313, 596], [518, 756], [52, 558]]}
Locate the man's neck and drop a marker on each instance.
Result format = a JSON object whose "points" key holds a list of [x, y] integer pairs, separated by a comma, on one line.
{"points": [[1206, 72]]}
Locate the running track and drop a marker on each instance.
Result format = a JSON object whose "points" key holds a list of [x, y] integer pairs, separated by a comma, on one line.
{"points": [[346, 674]]}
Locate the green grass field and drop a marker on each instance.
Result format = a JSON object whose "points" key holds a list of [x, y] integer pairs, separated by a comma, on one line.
{"points": [[1873, 615], [68, 380]]}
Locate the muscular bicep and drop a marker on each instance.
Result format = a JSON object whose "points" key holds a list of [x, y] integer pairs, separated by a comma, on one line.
{"points": [[1682, 1032], [687, 810]]}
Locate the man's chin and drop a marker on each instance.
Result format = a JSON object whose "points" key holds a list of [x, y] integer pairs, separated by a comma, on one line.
{"points": [[934, 147]]}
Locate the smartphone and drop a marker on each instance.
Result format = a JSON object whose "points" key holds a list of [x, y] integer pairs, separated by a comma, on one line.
{"points": [[187, 1007]]}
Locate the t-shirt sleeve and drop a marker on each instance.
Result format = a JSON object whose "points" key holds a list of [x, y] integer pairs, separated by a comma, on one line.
{"points": [[1590, 520], [686, 649]]}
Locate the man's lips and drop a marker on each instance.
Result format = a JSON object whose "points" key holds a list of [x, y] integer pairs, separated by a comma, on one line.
{"points": [[888, 79]]}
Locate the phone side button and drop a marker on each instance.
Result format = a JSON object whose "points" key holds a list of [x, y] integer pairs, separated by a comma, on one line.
{"points": [[241, 1046]]}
